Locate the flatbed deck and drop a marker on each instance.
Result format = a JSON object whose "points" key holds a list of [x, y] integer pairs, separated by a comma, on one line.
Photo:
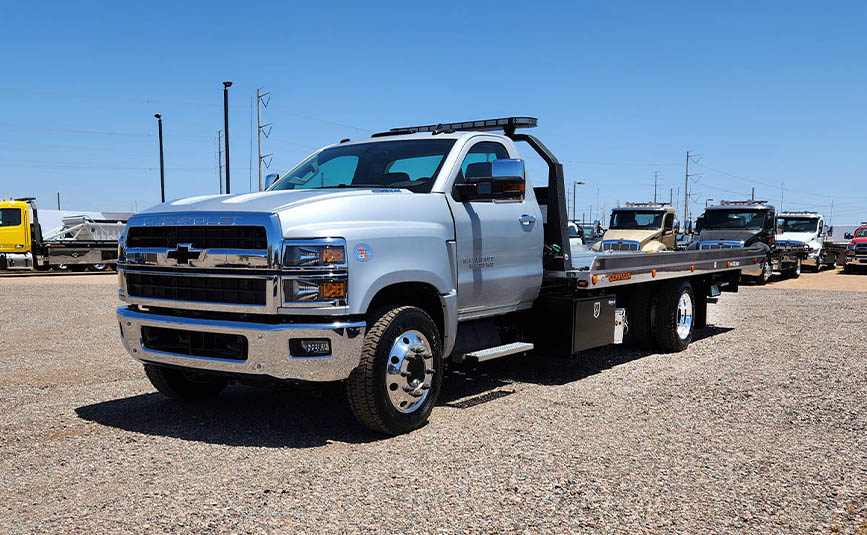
{"points": [[592, 270]]}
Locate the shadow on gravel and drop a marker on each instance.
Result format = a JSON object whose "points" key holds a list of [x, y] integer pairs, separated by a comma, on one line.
{"points": [[296, 417], [467, 387], [241, 416]]}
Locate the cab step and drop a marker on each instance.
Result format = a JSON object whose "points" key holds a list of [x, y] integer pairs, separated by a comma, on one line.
{"points": [[499, 351]]}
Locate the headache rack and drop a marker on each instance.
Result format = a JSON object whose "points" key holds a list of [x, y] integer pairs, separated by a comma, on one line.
{"points": [[506, 124]]}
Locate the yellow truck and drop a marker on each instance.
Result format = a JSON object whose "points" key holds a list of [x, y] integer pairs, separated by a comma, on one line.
{"points": [[640, 227], [81, 242]]}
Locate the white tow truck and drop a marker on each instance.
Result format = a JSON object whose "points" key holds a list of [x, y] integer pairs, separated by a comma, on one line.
{"points": [[806, 230], [374, 262]]}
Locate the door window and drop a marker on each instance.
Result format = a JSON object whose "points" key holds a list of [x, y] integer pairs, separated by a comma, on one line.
{"points": [[10, 217], [669, 223], [484, 151]]}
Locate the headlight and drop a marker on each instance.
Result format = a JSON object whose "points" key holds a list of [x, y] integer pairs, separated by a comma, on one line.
{"points": [[325, 254], [314, 289], [314, 272]]}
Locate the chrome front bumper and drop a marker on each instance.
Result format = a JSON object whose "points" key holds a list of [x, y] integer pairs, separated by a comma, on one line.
{"points": [[268, 346]]}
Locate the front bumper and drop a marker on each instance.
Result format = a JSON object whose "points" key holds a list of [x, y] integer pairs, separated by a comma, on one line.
{"points": [[268, 346]]}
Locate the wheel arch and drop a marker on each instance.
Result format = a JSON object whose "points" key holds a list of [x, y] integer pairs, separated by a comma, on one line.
{"points": [[423, 295]]}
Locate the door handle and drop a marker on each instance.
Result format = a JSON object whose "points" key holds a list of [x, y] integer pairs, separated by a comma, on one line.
{"points": [[527, 219]]}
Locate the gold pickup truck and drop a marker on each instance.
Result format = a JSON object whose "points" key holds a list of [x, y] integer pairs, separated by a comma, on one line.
{"points": [[644, 227]]}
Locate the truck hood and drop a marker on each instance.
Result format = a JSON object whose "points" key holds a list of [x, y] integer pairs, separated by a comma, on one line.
{"points": [[809, 238], [331, 212], [858, 240], [727, 235], [271, 202]]}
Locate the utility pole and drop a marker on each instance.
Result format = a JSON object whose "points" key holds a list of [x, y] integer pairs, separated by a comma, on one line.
{"points": [[260, 101], [226, 86], [220, 158], [781, 196], [162, 164], [671, 197], [58, 203], [753, 195], [830, 216], [687, 176], [655, 176]]}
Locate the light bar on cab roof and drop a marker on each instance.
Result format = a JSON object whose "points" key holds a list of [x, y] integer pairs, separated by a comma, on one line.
{"points": [[506, 124], [741, 203], [646, 204]]}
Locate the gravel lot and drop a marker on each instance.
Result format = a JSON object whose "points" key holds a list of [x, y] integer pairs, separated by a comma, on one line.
{"points": [[760, 427]]}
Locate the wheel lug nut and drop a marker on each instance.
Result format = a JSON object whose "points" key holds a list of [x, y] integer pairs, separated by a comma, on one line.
{"points": [[429, 371]]}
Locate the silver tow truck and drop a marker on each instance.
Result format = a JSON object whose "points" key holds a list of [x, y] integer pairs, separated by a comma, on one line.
{"points": [[375, 262]]}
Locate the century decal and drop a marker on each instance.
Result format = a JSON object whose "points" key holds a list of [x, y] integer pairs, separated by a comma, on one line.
{"points": [[614, 277]]}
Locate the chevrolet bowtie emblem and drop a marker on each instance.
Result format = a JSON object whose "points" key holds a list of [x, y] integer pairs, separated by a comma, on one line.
{"points": [[184, 253]]}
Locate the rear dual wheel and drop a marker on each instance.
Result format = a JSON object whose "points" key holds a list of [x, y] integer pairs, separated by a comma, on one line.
{"points": [[672, 317]]}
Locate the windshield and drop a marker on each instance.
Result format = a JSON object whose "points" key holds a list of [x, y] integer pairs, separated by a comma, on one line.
{"points": [[861, 233], [798, 225], [622, 220], [10, 217], [409, 164], [734, 219]]}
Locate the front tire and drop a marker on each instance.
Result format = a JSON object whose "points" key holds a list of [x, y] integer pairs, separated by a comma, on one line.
{"points": [[395, 386], [183, 385], [795, 272], [673, 315], [765, 275]]}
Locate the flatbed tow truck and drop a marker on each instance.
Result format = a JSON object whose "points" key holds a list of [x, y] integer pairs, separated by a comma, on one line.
{"points": [[80, 243], [375, 262]]}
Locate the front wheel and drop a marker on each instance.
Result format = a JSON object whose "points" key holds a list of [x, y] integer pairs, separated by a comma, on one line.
{"points": [[795, 272], [672, 316], [765, 275], [397, 382]]}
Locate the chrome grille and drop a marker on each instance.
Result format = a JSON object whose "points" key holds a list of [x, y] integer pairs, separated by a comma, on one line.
{"points": [[203, 289], [721, 245], [198, 237], [619, 245]]}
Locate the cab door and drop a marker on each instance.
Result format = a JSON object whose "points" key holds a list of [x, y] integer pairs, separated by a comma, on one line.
{"points": [[499, 243], [14, 228], [669, 237]]}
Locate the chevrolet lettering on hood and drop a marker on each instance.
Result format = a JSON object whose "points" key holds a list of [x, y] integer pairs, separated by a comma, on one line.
{"points": [[191, 220]]}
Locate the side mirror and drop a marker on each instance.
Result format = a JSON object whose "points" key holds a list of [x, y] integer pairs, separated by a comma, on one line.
{"points": [[270, 179], [497, 180], [847, 236], [676, 227], [688, 228]]}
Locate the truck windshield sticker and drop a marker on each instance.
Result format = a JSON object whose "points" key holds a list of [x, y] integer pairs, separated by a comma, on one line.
{"points": [[362, 252]]}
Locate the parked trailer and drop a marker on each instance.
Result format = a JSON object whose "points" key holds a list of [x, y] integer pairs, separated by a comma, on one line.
{"points": [[80, 243], [375, 262]]}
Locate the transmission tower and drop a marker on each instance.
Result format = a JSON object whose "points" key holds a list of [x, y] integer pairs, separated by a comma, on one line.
{"points": [[690, 155], [261, 102]]}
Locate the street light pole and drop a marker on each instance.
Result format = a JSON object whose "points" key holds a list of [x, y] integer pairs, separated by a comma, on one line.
{"points": [[162, 164], [226, 86], [574, 197]]}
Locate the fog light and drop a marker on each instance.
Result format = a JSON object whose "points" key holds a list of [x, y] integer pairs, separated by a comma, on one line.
{"points": [[333, 290], [310, 347]]}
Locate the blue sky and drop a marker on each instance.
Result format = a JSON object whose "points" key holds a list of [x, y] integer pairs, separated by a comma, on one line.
{"points": [[766, 92]]}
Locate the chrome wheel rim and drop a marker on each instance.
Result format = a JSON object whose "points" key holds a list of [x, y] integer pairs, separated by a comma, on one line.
{"points": [[409, 372], [684, 316], [99, 267], [798, 267], [766, 271]]}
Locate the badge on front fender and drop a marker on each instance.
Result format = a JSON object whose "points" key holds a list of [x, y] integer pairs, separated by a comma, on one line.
{"points": [[362, 252]]}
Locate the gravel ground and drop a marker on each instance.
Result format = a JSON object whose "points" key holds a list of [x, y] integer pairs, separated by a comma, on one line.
{"points": [[760, 427]]}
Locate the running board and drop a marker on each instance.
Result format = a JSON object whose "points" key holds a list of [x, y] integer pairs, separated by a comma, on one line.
{"points": [[499, 351]]}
